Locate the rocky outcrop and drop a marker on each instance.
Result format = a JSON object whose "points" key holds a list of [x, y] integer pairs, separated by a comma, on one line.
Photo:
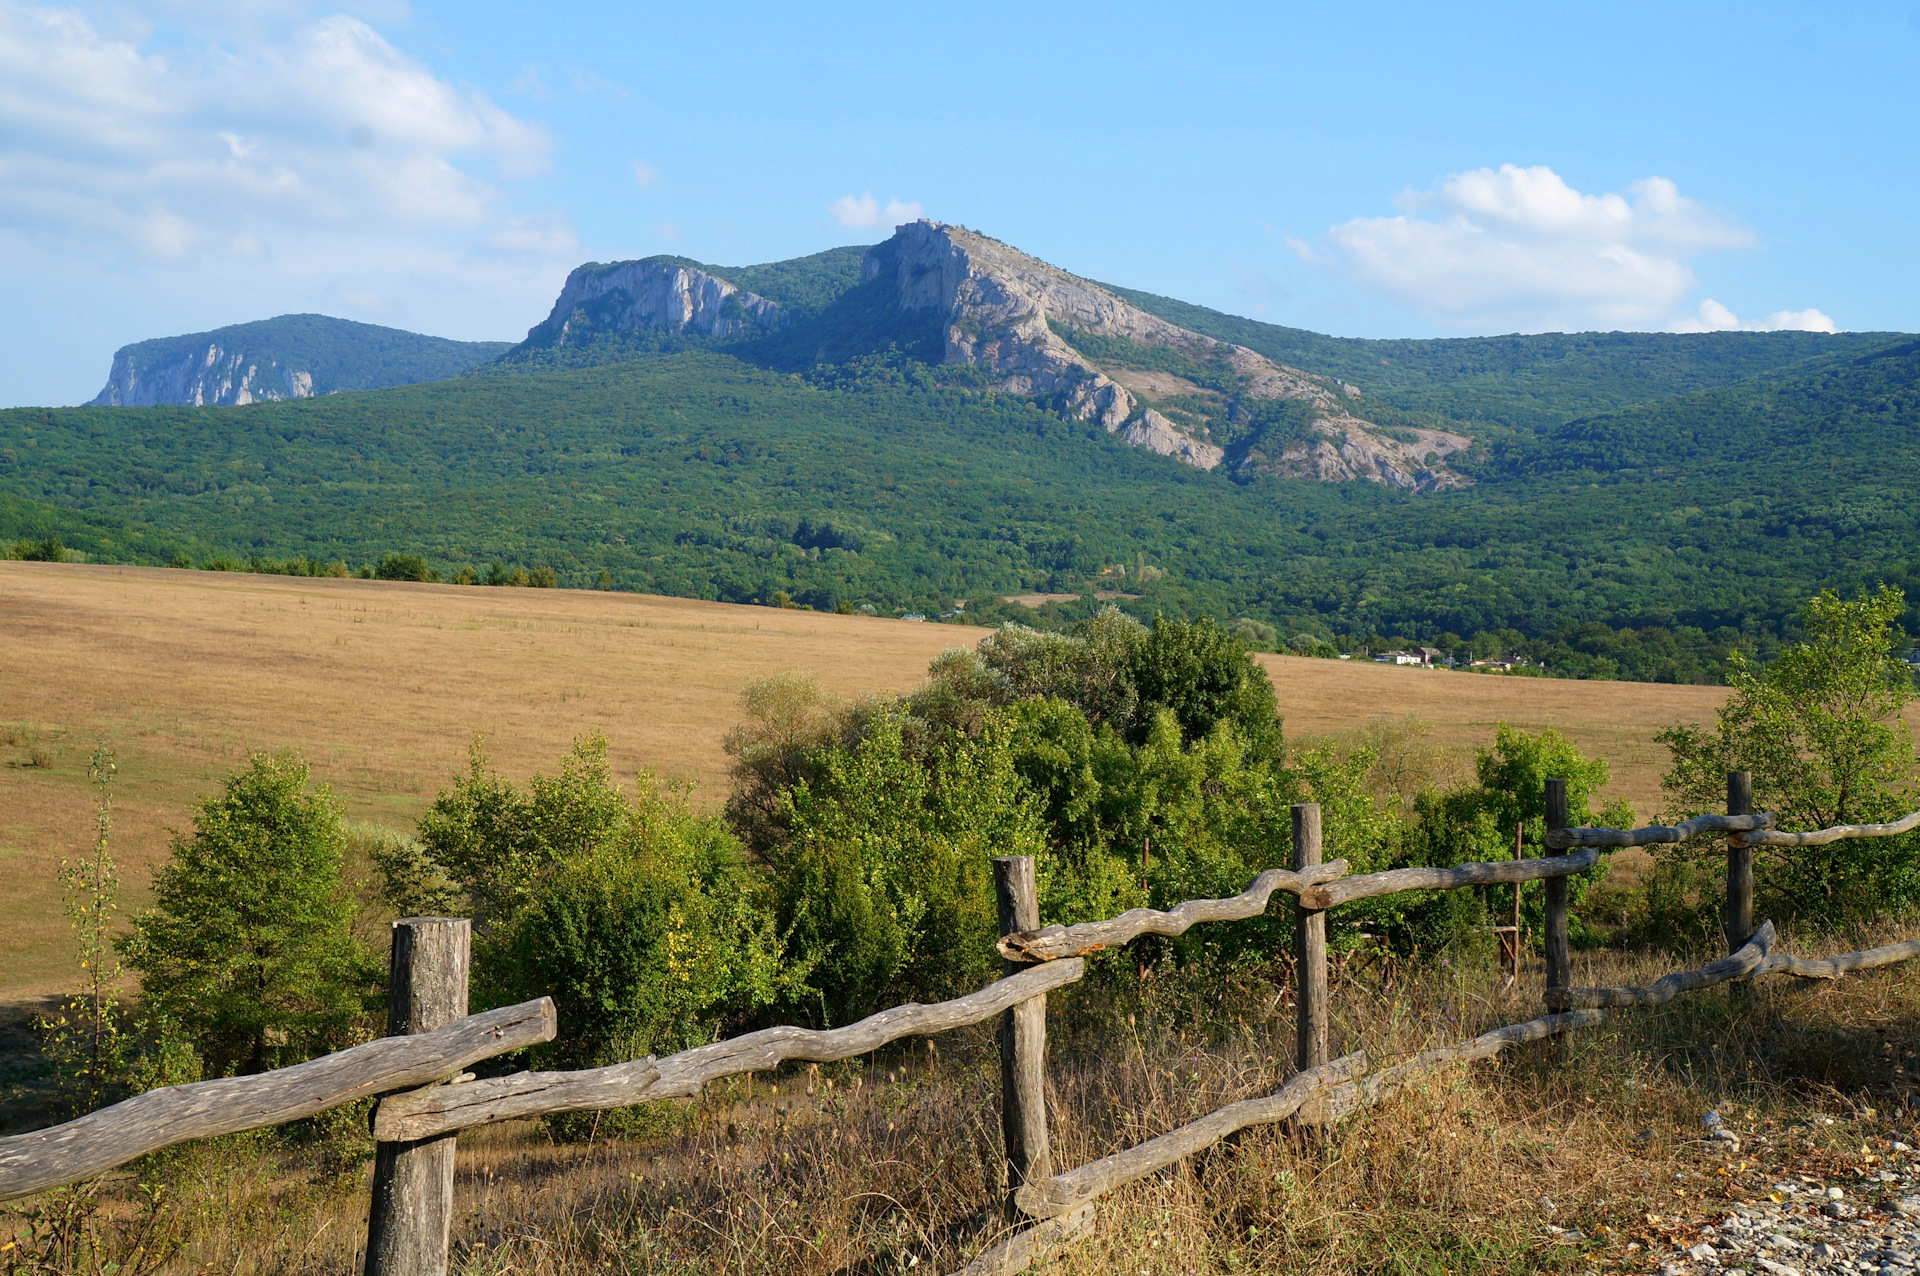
{"points": [[1004, 311], [653, 293], [206, 377], [1341, 453], [286, 357], [1155, 433]]}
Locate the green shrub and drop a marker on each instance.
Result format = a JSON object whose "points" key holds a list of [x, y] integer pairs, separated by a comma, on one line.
{"points": [[249, 945], [885, 888], [404, 567], [49, 550], [1820, 730], [542, 578], [640, 918]]}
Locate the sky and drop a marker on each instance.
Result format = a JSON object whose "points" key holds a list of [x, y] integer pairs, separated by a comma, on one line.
{"points": [[170, 166]]}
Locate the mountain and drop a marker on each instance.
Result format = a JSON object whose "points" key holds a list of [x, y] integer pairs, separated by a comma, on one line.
{"points": [[291, 357], [939, 417], [960, 300]]}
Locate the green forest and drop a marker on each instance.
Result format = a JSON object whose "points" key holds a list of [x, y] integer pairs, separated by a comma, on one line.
{"points": [[1643, 506]]}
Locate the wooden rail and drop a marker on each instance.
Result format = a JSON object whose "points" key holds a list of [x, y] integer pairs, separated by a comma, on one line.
{"points": [[1050, 943], [1834, 967], [98, 1141], [1743, 961], [1450, 878], [1654, 834], [1048, 1198], [1838, 833], [423, 1114]]}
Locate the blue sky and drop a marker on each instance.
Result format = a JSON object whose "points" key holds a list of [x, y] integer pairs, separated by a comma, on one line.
{"points": [[169, 166]]}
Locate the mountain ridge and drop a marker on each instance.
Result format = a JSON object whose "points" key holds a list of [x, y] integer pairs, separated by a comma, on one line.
{"points": [[295, 356]]}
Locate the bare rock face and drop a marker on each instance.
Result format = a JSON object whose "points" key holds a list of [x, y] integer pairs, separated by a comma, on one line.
{"points": [[1339, 453], [209, 377], [1003, 310], [1155, 433], [654, 294]]}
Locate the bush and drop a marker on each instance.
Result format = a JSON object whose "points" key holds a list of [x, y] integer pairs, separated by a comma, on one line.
{"points": [[249, 944], [1820, 730], [49, 550], [639, 918], [404, 567], [542, 578], [885, 889]]}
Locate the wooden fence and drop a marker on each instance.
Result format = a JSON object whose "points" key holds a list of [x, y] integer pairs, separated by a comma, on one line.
{"points": [[428, 1096]]}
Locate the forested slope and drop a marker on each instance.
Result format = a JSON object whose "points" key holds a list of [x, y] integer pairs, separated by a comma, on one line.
{"points": [[699, 474]]}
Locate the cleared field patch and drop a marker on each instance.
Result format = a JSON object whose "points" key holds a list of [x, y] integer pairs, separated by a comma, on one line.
{"points": [[1612, 720]]}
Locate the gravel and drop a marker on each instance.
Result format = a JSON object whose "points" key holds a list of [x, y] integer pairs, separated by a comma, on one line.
{"points": [[1801, 1225]]}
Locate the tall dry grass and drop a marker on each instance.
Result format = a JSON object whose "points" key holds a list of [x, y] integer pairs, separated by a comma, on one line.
{"points": [[892, 1163]]}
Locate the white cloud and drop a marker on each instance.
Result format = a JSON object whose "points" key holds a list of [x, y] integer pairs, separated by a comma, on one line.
{"points": [[645, 175], [278, 159], [592, 84], [1518, 248], [1714, 317], [865, 212]]}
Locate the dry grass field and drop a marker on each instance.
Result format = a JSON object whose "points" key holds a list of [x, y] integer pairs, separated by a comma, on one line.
{"points": [[384, 685]]}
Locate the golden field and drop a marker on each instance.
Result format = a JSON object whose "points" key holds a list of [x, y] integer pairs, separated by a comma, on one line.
{"points": [[383, 686]]}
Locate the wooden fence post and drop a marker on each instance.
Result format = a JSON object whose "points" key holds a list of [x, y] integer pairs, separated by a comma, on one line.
{"points": [[1309, 947], [1023, 1042], [412, 1209], [1739, 863], [1559, 958]]}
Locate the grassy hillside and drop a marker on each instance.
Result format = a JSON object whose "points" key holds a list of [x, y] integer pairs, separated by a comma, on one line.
{"points": [[702, 475]]}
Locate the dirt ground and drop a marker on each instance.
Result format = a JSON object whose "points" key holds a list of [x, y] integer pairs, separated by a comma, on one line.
{"points": [[382, 686]]}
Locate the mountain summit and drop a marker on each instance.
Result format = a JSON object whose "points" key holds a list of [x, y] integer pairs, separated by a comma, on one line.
{"points": [[953, 297], [291, 357]]}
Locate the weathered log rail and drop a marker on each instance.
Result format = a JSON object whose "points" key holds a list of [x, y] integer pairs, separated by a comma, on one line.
{"points": [[98, 1141], [428, 1100], [444, 1109]]}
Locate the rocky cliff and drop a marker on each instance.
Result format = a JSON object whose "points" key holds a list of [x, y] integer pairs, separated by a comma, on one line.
{"points": [[205, 376], [946, 294], [291, 357], [653, 293], [1041, 331]]}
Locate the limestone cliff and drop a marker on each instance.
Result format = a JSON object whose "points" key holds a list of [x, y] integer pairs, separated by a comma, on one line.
{"points": [[203, 377], [1031, 326], [653, 293], [289, 357]]}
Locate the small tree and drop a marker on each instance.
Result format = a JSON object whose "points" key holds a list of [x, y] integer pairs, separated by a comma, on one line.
{"points": [[85, 1039], [1820, 730], [404, 567], [249, 946]]}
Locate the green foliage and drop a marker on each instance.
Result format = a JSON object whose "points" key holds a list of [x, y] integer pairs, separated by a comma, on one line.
{"points": [[248, 946], [1821, 733], [639, 917], [648, 941], [48, 550], [86, 1038], [1479, 822], [884, 887], [1528, 382], [404, 567], [496, 843]]}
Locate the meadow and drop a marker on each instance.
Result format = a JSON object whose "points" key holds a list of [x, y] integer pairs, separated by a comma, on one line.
{"points": [[385, 685], [880, 1164]]}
